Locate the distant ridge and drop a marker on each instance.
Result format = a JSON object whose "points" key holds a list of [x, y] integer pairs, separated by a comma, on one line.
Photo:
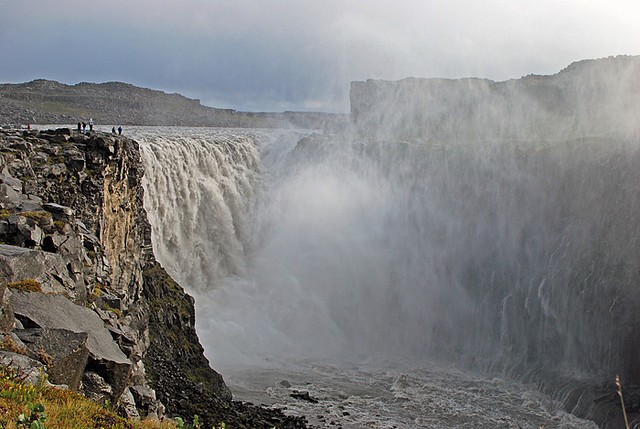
{"points": [[588, 98], [44, 101]]}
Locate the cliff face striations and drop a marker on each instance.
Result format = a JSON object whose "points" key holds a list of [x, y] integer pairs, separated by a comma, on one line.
{"points": [[81, 294]]}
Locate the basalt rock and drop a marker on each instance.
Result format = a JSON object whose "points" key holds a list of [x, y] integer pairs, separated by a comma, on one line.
{"points": [[72, 218], [64, 351], [7, 317], [49, 269], [55, 313], [65, 235]]}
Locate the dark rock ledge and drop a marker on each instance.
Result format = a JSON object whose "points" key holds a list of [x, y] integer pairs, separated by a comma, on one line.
{"points": [[81, 294]]}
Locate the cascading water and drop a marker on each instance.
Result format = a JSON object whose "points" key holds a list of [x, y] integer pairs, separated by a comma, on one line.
{"points": [[503, 258]]}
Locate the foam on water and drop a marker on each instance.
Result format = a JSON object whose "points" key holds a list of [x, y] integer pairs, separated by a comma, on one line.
{"points": [[386, 395]]}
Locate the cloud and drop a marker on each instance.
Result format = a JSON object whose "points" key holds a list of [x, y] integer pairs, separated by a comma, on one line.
{"points": [[290, 54]]}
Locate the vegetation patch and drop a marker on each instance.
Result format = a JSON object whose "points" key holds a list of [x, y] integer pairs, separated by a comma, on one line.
{"points": [[26, 285], [59, 225], [7, 344], [39, 217], [23, 405], [97, 290]]}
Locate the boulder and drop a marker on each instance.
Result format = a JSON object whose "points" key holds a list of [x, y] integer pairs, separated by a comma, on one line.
{"points": [[21, 145], [54, 171], [54, 137], [50, 269], [76, 164], [57, 312], [7, 320], [9, 198], [30, 369], [15, 184], [127, 405], [58, 212], [145, 400], [30, 203], [31, 233], [65, 353], [96, 387], [106, 144], [63, 130], [90, 241]]}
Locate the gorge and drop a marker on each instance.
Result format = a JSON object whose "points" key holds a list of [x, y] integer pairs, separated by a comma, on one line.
{"points": [[489, 226]]}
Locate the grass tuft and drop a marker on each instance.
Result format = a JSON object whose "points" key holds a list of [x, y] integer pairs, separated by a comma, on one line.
{"points": [[40, 406], [40, 218], [26, 285]]}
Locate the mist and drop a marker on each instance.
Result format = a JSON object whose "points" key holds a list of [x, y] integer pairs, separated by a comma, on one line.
{"points": [[498, 259], [490, 225]]}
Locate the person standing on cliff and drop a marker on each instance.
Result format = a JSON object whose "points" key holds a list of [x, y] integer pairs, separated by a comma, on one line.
{"points": [[119, 131], [90, 124], [84, 128]]}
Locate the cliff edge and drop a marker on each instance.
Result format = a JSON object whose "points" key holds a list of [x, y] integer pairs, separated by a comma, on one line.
{"points": [[82, 297], [589, 98]]}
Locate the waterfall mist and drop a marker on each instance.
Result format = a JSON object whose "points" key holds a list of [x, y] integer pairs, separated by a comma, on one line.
{"points": [[512, 257]]}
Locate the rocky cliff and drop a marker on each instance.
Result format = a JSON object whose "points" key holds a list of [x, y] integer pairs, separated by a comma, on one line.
{"points": [[588, 98], [82, 297], [537, 177]]}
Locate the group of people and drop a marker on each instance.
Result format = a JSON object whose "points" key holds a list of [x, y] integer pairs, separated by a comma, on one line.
{"points": [[82, 126]]}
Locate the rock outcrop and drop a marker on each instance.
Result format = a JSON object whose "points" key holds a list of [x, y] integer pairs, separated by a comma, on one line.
{"points": [[81, 295], [588, 98]]}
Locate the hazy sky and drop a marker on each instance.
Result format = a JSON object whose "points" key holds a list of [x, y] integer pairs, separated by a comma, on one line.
{"points": [[301, 54]]}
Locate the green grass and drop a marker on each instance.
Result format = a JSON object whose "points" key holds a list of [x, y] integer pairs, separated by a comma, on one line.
{"points": [[24, 405]]}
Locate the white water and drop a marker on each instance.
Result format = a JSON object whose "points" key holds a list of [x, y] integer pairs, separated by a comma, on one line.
{"points": [[390, 395], [301, 265]]}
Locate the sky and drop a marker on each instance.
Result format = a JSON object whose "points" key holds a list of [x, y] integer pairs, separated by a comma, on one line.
{"points": [[276, 55]]}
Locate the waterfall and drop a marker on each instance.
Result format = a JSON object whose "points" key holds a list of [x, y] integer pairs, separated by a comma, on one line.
{"points": [[510, 257], [200, 198]]}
